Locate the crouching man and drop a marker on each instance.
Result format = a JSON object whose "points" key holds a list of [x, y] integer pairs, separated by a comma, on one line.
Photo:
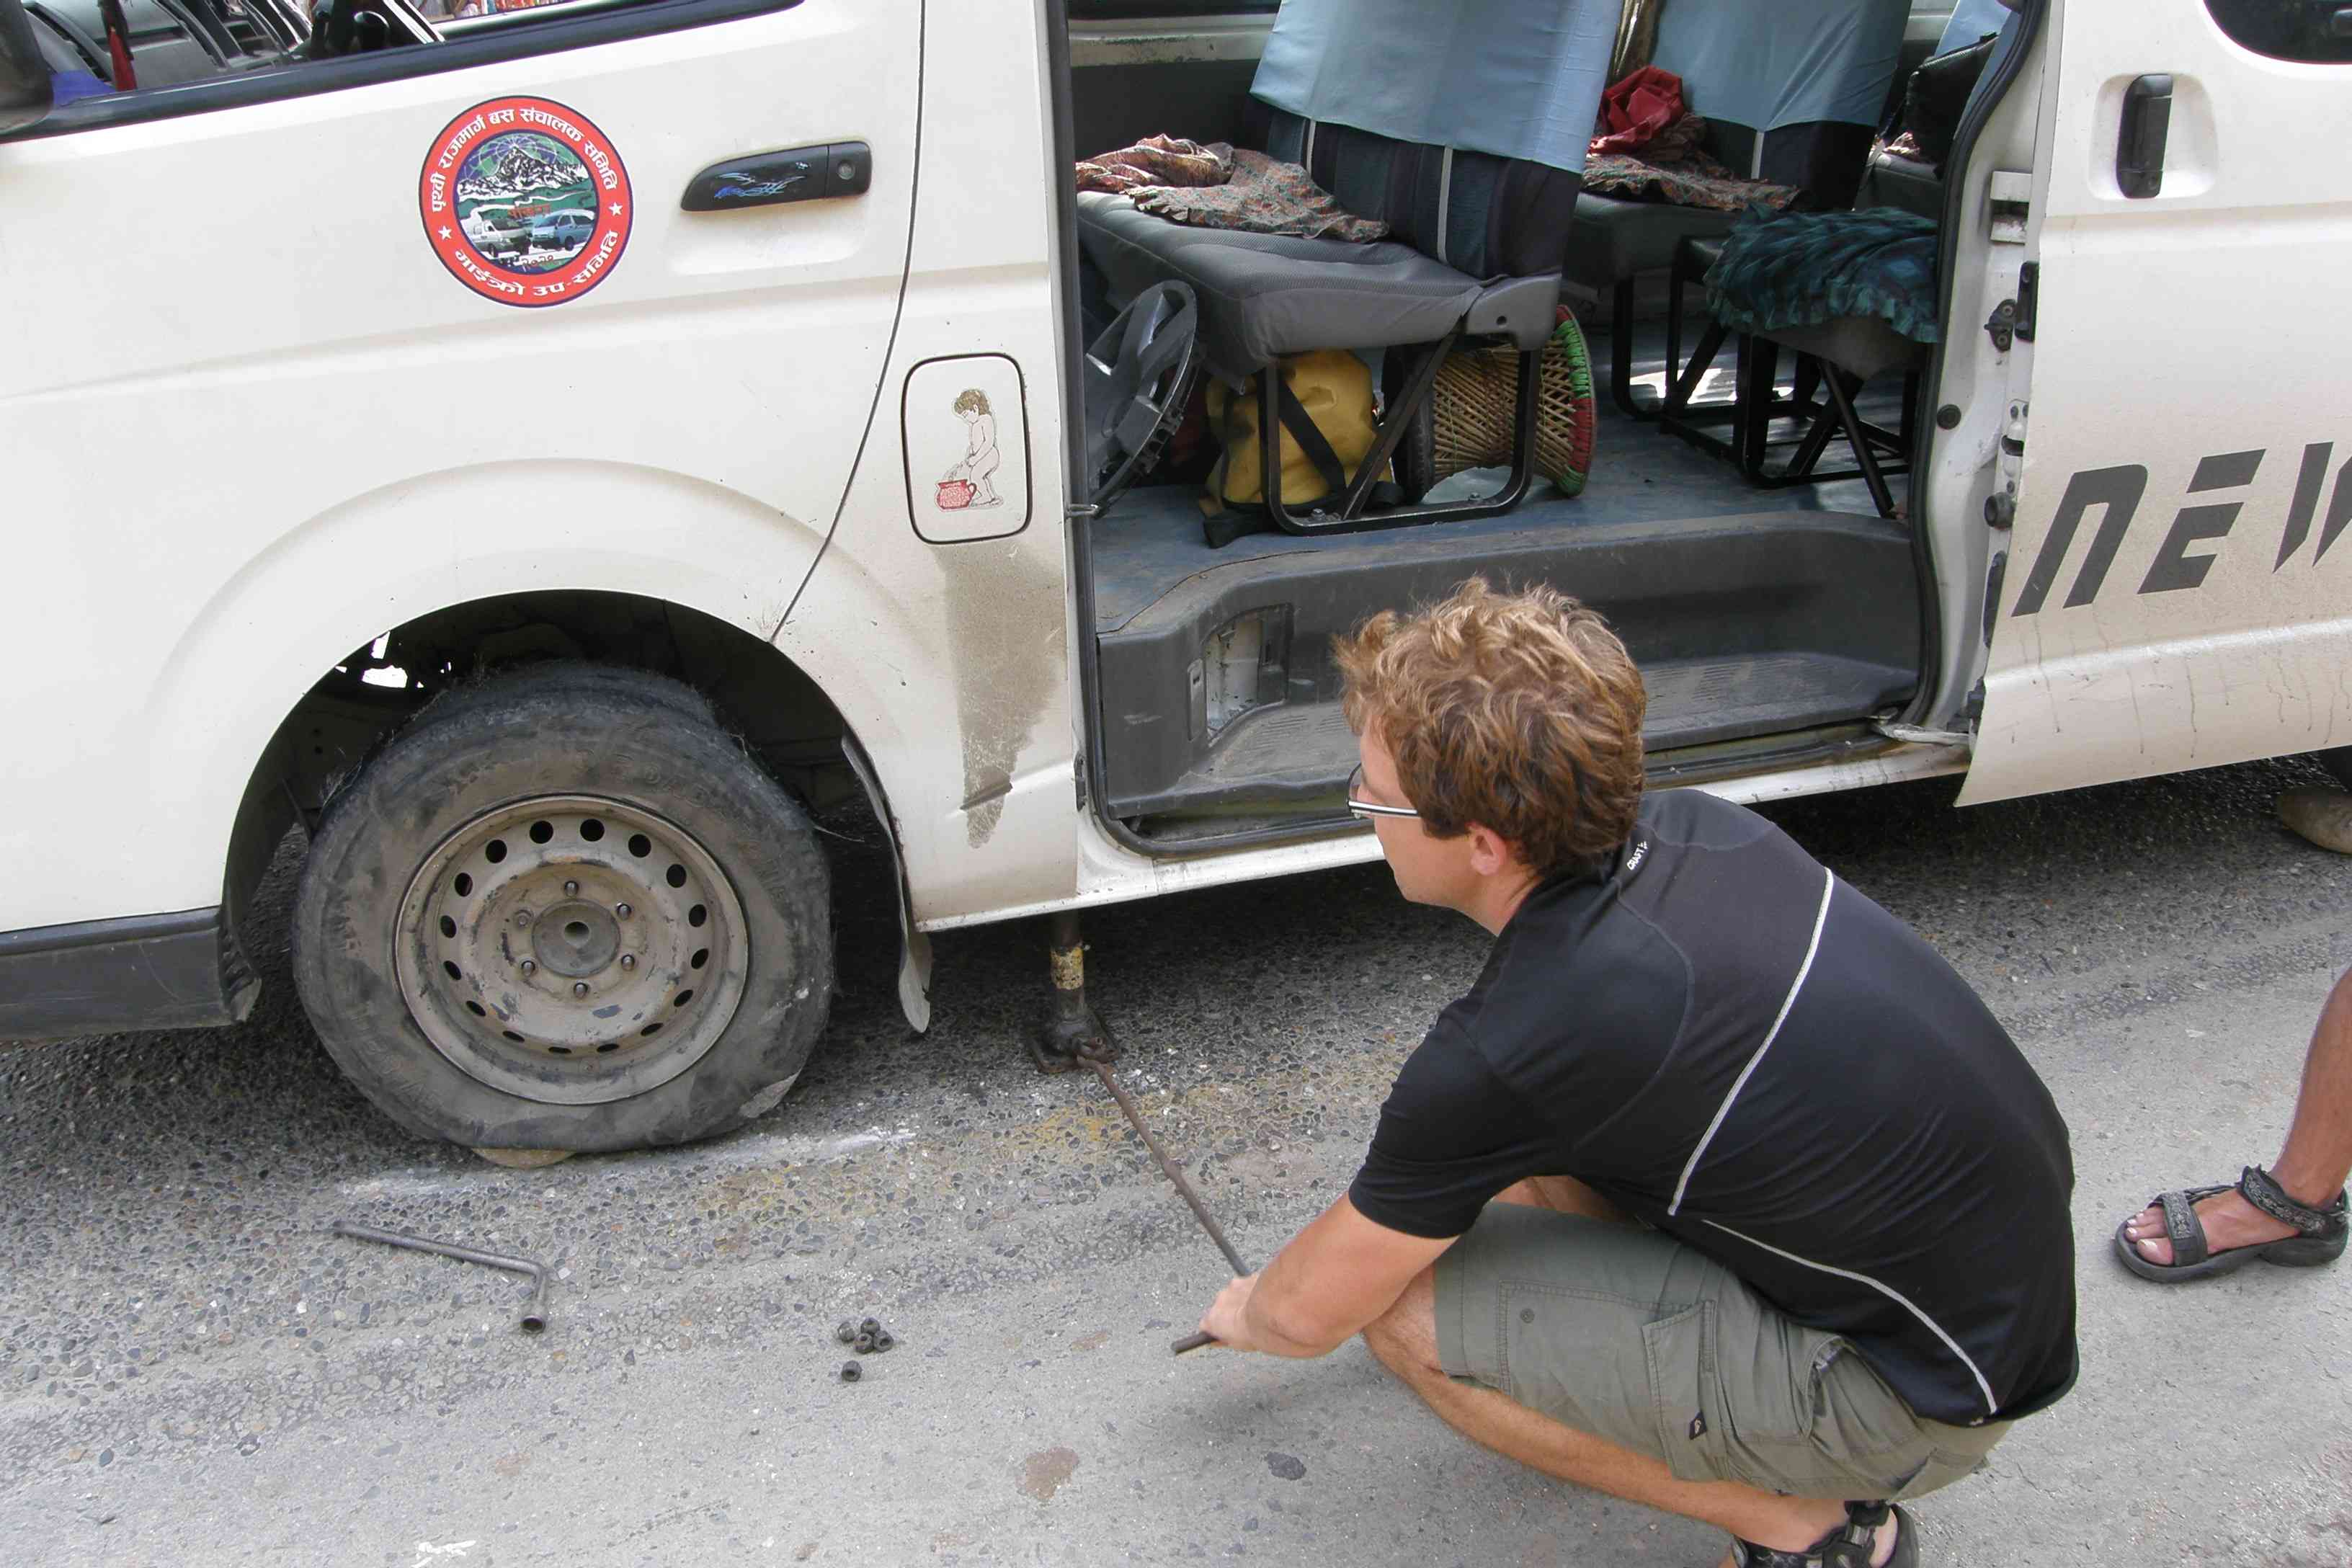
{"points": [[1720, 1190]]}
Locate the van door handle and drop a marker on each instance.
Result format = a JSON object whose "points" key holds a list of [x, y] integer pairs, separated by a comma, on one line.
{"points": [[2139, 141], [796, 175]]}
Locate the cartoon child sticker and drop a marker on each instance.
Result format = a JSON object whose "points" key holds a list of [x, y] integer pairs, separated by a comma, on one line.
{"points": [[981, 458]]}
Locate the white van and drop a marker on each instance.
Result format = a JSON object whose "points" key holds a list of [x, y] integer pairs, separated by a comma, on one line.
{"points": [[550, 585]]}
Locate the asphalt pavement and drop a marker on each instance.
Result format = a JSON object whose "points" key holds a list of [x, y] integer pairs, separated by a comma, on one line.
{"points": [[193, 1371]]}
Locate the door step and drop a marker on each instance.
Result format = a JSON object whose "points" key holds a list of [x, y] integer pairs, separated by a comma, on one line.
{"points": [[1220, 697], [1290, 757]]}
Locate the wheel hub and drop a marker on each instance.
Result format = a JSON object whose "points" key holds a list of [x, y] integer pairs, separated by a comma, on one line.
{"points": [[576, 940], [572, 949]]}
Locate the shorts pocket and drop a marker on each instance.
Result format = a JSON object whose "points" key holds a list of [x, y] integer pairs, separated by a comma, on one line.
{"points": [[1685, 1393], [1860, 1417], [1577, 1356]]}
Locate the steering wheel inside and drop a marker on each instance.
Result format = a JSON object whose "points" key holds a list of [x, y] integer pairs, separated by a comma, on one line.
{"points": [[1137, 377]]}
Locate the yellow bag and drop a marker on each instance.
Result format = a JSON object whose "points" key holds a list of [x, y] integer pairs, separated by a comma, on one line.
{"points": [[1335, 388]]}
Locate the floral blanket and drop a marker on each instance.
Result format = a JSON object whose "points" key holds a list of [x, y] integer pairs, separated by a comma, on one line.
{"points": [[1157, 161], [1670, 167], [1214, 186]]}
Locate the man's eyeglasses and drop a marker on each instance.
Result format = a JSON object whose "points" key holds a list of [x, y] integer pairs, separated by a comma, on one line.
{"points": [[1368, 809]]}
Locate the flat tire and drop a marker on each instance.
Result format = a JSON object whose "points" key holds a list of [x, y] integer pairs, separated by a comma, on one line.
{"points": [[564, 909]]}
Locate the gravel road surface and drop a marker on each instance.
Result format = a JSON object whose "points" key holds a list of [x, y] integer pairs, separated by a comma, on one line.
{"points": [[193, 1372]]}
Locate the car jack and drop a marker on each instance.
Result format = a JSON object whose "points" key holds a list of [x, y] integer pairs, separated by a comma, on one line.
{"points": [[1070, 1034]]}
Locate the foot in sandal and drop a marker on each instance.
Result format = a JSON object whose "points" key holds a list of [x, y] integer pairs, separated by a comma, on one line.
{"points": [[2200, 1231]]}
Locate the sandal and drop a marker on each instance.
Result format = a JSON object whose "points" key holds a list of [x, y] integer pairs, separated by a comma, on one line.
{"points": [[1847, 1546], [2320, 1239]]}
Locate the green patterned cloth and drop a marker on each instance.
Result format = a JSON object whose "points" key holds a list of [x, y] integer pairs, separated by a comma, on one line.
{"points": [[1801, 269]]}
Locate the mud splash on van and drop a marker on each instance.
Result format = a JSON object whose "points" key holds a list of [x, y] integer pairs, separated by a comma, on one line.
{"points": [[1005, 626]]}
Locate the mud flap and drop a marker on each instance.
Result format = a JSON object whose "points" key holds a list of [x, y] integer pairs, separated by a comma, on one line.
{"points": [[914, 947]]}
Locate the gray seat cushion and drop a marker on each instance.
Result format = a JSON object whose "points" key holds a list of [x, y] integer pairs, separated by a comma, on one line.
{"points": [[1611, 239], [1266, 295], [1862, 346]]}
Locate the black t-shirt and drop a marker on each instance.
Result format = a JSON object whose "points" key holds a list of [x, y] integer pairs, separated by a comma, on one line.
{"points": [[1748, 1054]]}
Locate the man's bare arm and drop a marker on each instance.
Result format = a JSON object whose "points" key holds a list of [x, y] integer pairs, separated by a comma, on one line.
{"points": [[1337, 1275]]}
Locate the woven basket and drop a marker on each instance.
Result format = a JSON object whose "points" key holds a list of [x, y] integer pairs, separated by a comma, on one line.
{"points": [[1477, 389]]}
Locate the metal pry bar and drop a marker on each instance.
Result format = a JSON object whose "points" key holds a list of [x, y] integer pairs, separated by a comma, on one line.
{"points": [[1190, 1341], [534, 1313]]}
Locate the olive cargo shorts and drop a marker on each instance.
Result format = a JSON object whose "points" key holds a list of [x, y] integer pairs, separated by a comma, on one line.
{"points": [[1628, 1334]]}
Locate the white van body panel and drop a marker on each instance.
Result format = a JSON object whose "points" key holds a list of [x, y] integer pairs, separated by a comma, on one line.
{"points": [[258, 453], [2175, 596], [747, 418], [963, 698], [1982, 381]]}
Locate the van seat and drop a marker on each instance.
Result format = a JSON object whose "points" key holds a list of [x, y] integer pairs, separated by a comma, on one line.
{"points": [[1463, 130], [1264, 295], [1790, 92]]}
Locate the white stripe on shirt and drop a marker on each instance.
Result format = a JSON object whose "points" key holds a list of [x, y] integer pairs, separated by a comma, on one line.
{"points": [[1828, 884], [1991, 1407]]}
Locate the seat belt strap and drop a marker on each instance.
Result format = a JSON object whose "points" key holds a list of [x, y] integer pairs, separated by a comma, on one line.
{"points": [[1294, 420], [1444, 202]]}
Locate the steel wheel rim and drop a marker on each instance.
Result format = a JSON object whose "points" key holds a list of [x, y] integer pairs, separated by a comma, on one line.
{"points": [[572, 949]]}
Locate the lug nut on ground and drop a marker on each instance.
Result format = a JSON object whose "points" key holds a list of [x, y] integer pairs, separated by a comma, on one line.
{"points": [[865, 1337], [850, 1371]]}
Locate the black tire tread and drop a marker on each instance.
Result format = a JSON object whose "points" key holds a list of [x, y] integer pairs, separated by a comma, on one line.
{"points": [[2337, 761]]}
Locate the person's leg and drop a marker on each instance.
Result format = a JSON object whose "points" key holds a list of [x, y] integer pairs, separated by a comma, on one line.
{"points": [[2312, 1167], [1561, 1195], [1405, 1341], [2322, 816]]}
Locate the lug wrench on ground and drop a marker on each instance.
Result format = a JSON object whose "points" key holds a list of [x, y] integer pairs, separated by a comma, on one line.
{"points": [[534, 1314]]}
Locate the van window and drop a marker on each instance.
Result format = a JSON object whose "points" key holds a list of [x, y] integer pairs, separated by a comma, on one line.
{"points": [[1130, 10], [2286, 29], [108, 59]]}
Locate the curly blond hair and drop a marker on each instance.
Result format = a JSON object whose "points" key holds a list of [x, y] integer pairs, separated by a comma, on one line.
{"points": [[1519, 712], [971, 400]]}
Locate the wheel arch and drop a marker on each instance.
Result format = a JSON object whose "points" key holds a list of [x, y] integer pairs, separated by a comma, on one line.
{"points": [[355, 705]]}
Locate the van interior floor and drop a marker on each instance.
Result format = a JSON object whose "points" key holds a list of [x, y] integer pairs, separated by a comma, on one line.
{"points": [[1753, 612]]}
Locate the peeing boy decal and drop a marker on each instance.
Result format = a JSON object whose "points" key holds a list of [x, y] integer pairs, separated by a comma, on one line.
{"points": [[970, 483], [964, 429]]}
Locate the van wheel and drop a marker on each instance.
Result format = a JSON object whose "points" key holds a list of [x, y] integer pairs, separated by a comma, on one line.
{"points": [[2337, 761], [565, 909]]}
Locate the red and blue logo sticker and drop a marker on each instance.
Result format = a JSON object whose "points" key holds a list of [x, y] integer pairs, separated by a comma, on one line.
{"points": [[526, 202]]}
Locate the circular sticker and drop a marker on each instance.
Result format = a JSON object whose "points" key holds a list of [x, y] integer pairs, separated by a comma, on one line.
{"points": [[525, 202]]}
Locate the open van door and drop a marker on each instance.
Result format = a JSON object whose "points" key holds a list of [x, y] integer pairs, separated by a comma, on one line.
{"points": [[2177, 593]]}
